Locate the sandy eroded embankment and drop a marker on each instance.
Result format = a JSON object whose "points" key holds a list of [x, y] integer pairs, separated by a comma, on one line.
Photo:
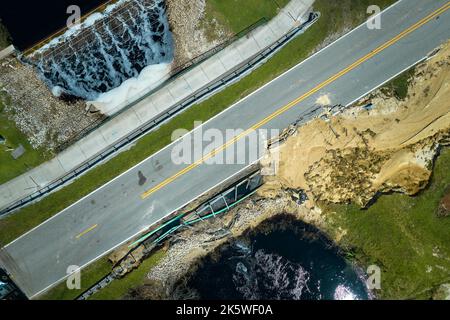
{"points": [[360, 152], [350, 157]]}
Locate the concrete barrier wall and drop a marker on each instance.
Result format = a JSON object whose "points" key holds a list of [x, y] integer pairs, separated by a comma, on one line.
{"points": [[7, 52]]}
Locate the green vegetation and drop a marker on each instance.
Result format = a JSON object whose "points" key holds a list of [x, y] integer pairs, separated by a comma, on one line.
{"points": [[399, 85], [96, 271], [10, 168], [236, 15], [336, 17], [89, 276], [403, 236], [119, 288]]}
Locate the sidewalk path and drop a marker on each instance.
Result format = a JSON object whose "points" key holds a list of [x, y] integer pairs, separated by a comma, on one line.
{"points": [[124, 208], [214, 68]]}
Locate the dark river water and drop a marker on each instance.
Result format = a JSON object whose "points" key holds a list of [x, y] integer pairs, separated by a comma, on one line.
{"points": [[31, 21], [286, 259]]}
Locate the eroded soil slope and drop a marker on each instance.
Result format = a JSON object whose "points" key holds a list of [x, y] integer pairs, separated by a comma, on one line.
{"points": [[390, 147]]}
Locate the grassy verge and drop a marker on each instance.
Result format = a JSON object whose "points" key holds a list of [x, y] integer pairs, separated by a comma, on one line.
{"points": [[89, 276], [403, 236], [10, 168], [399, 85], [236, 15], [96, 271], [335, 17], [119, 288]]}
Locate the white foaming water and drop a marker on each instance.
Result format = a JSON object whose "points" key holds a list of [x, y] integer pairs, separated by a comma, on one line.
{"points": [[344, 293], [57, 91], [271, 277], [150, 77], [112, 56]]}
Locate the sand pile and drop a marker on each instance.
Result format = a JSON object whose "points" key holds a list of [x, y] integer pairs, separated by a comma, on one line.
{"points": [[354, 155]]}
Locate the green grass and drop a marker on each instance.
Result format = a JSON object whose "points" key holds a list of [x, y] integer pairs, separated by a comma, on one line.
{"points": [[96, 271], [236, 15], [335, 17], [119, 288], [10, 168], [400, 234], [89, 276], [399, 85]]}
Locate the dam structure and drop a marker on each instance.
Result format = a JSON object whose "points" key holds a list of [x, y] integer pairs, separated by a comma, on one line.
{"points": [[106, 49], [214, 72]]}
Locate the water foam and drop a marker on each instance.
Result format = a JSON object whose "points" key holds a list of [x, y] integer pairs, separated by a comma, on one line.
{"points": [[271, 276], [344, 293], [112, 55], [150, 77]]}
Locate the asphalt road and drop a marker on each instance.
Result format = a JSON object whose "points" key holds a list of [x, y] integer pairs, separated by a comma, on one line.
{"points": [[115, 213]]}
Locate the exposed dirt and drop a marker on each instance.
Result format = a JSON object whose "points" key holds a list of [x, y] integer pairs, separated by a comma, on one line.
{"points": [[47, 121], [354, 155], [192, 33], [444, 206], [349, 157]]}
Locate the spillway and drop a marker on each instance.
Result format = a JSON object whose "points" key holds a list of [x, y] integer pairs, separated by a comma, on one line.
{"points": [[106, 49]]}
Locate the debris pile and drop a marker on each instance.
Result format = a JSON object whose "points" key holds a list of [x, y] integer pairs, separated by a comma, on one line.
{"points": [[188, 247]]}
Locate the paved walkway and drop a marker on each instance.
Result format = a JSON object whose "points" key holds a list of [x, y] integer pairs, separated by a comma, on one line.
{"points": [[151, 107]]}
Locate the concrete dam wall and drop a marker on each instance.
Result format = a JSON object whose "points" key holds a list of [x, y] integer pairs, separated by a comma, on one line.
{"points": [[106, 49]]}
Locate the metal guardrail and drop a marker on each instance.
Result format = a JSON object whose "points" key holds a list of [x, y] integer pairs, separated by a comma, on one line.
{"points": [[222, 202], [175, 73], [166, 115]]}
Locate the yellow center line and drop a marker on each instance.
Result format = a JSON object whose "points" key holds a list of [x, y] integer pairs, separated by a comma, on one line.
{"points": [[299, 99], [87, 231]]}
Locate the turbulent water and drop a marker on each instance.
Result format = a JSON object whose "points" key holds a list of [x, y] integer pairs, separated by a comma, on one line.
{"points": [[107, 49], [270, 276], [291, 263]]}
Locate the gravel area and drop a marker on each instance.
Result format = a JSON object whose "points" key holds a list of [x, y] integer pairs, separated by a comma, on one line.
{"points": [[194, 33], [47, 121]]}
